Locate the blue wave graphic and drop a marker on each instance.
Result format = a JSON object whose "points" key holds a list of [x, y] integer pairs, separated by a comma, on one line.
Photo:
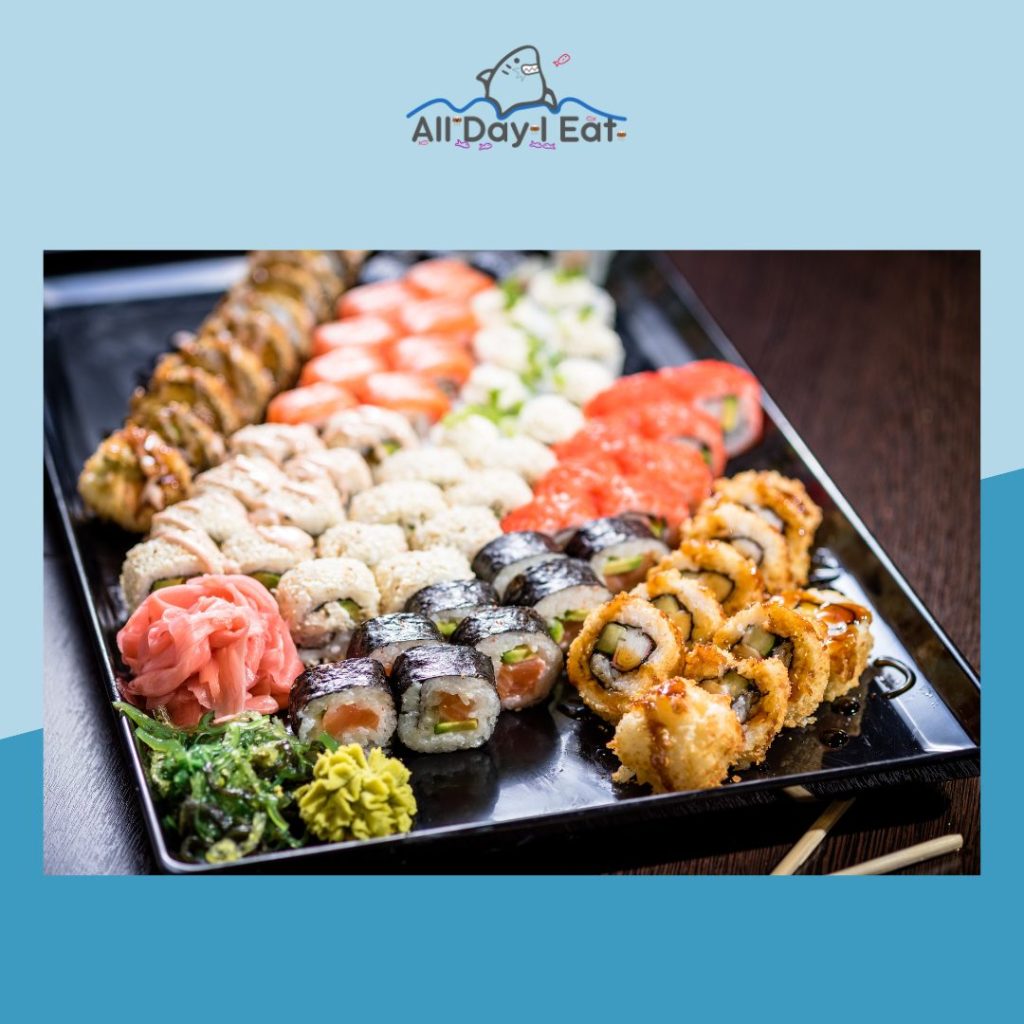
{"points": [[502, 117]]}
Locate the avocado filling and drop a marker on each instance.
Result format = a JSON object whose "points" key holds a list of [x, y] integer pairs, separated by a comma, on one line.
{"points": [[268, 579], [720, 586], [446, 628], [623, 648], [680, 616], [743, 693], [620, 566], [465, 725], [515, 655], [171, 581]]}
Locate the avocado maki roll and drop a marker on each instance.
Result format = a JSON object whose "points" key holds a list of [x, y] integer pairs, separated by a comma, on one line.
{"points": [[620, 550], [167, 560], [387, 636], [447, 604], [508, 555]]}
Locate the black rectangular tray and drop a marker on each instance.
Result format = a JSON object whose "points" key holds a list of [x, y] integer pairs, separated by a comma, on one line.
{"points": [[544, 780]]}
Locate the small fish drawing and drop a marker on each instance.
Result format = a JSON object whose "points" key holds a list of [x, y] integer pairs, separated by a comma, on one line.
{"points": [[563, 59]]}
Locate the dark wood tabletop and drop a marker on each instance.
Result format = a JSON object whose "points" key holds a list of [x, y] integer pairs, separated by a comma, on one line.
{"points": [[874, 358]]}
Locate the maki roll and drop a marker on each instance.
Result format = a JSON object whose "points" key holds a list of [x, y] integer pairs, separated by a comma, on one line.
{"points": [[468, 529], [401, 576], [508, 555], [691, 607], [526, 660], [620, 550], [384, 638], [729, 576], [350, 701], [625, 646], [562, 591], [447, 604], [369, 543], [265, 552], [165, 561], [217, 514], [447, 698]]}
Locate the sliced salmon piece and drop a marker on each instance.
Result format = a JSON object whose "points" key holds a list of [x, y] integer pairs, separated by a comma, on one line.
{"points": [[437, 357], [517, 683], [447, 279], [382, 298], [452, 317], [347, 367], [452, 707], [314, 404], [342, 717], [373, 333], [413, 394]]}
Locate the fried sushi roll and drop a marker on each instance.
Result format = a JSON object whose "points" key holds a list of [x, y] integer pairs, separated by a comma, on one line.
{"points": [[625, 646], [442, 466], [166, 561], [347, 470], [207, 396], [250, 383], [258, 332], [692, 608], [447, 698], [276, 442], [286, 280], [322, 601], [848, 639], [731, 577], [407, 503], [467, 529], [447, 604], [676, 736], [387, 636], [179, 426], [369, 543], [267, 552], [758, 692], [507, 556], [350, 701], [526, 661], [374, 433], [751, 535], [620, 550], [771, 631], [400, 576], [215, 513]]}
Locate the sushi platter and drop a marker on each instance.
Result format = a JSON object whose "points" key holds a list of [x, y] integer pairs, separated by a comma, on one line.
{"points": [[397, 559]]}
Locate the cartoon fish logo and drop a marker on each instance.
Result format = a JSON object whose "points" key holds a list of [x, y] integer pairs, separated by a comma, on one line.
{"points": [[517, 81]]}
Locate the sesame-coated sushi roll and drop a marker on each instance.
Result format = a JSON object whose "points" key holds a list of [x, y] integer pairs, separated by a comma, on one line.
{"points": [[267, 552], [468, 529], [620, 550], [500, 490], [624, 647], [374, 433], [731, 577], [447, 698], [246, 477], [406, 502], [692, 608], [350, 701], [387, 636], [167, 560], [780, 634], [507, 556], [369, 543], [562, 591], [441, 466], [526, 660], [215, 513], [346, 469], [400, 576], [322, 601], [277, 442], [523, 455], [311, 505], [447, 604], [758, 692]]}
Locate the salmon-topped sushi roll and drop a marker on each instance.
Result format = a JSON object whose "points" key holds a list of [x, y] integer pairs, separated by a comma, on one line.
{"points": [[314, 404], [447, 278]]}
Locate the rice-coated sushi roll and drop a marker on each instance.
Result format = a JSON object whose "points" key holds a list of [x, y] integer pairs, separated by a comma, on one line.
{"points": [[468, 529], [373, 432], [620, 550], [526, 661], [523, 455], [406, 502], [447, 604], [729, 576], [508, 555], [277, 442], [493, 385], [692, 608], [758, 692], [346, 469], [322, 601], [676, 736], [447, 698], [774, 632], [218, 514], [562, 591], [349, 700], [267, 552], [167, 560], [587, 338], [387, 636], [466, 432], [559, 290], [500, 490], [625, 646], [311, 505], [581, 379], [550, 418], [504, 345], [247, 477], [401, 576], [848, 639], [369, 543], [441, 466]]}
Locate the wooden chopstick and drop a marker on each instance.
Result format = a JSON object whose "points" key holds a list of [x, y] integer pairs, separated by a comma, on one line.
{"points": [[810, 840], [904, 858]]}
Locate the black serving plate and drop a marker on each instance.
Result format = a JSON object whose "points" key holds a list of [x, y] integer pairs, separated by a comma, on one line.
{"points": [[545, 777]]}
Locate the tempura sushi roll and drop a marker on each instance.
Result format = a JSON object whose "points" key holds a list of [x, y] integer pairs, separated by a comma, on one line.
{"points": [[751, 535], [500, 490], [218, 514], [165, 561], [447, 604], [774, 632], [507, 556], [692, 608], [758, 693], [526, 660], [201, 445], [267, 552], [562, 591], [374, 433], [350, 701], [441, 466], [467, 529], [676, 736], [729, 576], [406, 502], [322, 601], [447, 698], [276, 442], [400, 576], [369, 543], [620, 550], [346, 469], [387, 636], [625, 646]]}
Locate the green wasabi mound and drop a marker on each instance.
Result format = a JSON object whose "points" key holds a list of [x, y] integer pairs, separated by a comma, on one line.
{"points": [[353, 796]]}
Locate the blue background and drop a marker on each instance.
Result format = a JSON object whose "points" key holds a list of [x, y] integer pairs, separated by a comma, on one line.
{"points": [[782, 125]]}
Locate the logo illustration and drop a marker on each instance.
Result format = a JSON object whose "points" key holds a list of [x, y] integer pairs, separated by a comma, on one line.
{"points": [[517, 81]]}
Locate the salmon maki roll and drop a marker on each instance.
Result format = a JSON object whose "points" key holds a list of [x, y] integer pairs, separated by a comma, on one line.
{"points": [[438, 316], [344, 367], [387, 636], [620, 549], [349, 701]]}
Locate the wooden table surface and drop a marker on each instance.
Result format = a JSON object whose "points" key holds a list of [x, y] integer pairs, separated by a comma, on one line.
{"points": [[874, 358]]}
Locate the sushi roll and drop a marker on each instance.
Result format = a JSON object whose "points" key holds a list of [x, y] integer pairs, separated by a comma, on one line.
{"points": [[311, 505], [729, 576], [568, 291], [562, 591], [167, 560], [215, 513], [550, 419], [758, 693], [207, 396], [497, 386], [322, 601], [246, 477], [620, 550], [374, 433], [276, 442], [441, 466], [770, 631], [692, 608], [350, 701], [235, 364], [500, 490], [467, 529], [523, 455], [677, 736], [447, 604], [347, 470], [266, 552], [387, 636], [401, 576], [580, 380], [588, 338], [508, 555], [624, 647], [466, 432], [369, 543], [407, 503], [201, 445], [447, 698], [504, 345], [526, 661]]}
